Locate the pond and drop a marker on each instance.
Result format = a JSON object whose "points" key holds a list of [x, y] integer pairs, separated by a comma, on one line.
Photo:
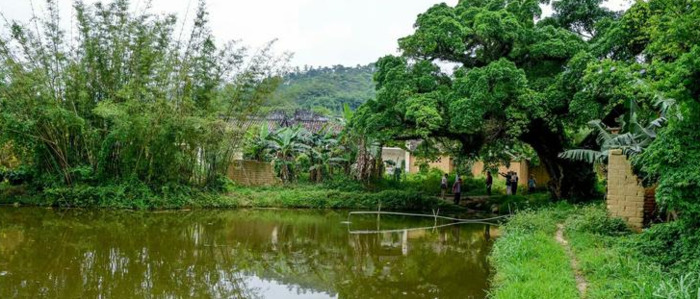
{"points": [[48, 253]]}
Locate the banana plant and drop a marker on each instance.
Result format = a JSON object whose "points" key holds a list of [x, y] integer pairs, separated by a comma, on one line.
{"points": [[258, 146], [637, 137], [325, 154], [285, 146]]}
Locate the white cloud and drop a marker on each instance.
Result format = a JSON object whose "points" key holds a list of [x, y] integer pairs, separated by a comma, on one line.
{"points": [[319, 32]]}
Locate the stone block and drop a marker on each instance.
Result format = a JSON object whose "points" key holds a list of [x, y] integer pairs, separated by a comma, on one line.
{"points": [[636, 221], [615, 198], [631, 213], [631, 190]]}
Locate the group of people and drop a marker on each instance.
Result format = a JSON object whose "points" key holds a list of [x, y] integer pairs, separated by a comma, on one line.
{"points": [[456, 188], [511, 177], [512, 180]]}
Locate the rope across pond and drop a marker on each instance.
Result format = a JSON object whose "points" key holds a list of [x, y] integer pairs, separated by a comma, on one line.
{"points": [[455, 221], [426, 216]]}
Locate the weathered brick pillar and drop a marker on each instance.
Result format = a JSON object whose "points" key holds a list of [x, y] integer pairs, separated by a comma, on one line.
{"points": [[625, 197]]}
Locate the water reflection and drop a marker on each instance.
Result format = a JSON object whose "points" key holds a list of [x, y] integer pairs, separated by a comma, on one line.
{"points": [[235, 254]]}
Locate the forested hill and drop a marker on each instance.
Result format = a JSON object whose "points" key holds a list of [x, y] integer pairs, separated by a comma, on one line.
{"points": [[325, 90]]}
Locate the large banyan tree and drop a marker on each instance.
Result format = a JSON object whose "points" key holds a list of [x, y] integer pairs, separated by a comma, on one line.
{"points": [[508, 86]]}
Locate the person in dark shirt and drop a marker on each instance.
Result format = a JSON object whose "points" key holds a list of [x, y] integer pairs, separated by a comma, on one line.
{"points": [[457, 189], [489, 183], [531, 184]]}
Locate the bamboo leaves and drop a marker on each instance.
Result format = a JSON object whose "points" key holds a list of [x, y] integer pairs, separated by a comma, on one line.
{"points": [[129, 98]]}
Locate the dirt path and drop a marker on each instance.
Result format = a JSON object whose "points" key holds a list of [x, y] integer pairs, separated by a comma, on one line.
{"points": [[581, 283]]}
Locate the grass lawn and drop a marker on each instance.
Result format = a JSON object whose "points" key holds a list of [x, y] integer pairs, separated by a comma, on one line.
{"points": [[529, 263]]}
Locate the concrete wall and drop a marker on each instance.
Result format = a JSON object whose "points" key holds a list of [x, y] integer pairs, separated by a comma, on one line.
{"points": [[443, 163], [395, 154], [446, 164], [252, 173], [540, 174], [626, 195]]}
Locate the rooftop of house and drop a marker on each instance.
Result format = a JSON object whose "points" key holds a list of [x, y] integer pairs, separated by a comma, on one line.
{"points": [[306, 119]]}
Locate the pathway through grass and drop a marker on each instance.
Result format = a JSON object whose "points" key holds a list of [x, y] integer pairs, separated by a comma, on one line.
{"points": [[581, 283]]}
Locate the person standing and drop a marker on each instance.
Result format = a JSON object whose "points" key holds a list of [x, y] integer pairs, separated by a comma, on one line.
{"points": [[507, 176], [489, 182], [457, 189], [531, 184], [514, 183], [443, 186]]}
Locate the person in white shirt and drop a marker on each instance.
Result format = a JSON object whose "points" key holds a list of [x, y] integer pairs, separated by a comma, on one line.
{"points": [[443, 186]]}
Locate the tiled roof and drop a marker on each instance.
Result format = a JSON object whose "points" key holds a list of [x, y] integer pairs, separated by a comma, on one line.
{"points": [[310, 121]]}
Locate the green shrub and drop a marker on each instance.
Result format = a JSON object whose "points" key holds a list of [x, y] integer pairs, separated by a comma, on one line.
{"points": [[10, 194], [343, 183], [19, 176], [512, 203], [672, 245], [595, 220], [531, 221]]}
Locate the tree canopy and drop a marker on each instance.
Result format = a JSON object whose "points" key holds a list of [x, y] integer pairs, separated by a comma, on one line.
{"points": [[510, 83]]}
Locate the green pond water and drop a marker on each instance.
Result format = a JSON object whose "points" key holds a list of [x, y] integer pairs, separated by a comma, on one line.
{"points": [[47, 253]]}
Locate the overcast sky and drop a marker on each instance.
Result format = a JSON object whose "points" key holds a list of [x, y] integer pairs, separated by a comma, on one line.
{"points": [[318, 32]]}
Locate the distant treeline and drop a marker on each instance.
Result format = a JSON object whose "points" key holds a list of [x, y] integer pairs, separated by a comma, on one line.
{"points": [[325, 90]]}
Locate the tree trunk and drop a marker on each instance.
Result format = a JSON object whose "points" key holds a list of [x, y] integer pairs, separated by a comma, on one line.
{"points": [[568, 179]]}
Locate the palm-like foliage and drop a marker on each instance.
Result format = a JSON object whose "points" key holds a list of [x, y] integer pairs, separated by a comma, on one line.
{"points": [[325, 154], [285, 146], [258, 145], [637, 137]]}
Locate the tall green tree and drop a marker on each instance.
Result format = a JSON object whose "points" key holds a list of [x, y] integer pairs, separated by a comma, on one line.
{"points": [[508, 85]]}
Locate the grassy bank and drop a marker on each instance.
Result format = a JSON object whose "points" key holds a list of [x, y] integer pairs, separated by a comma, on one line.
{"points": [[284, 196], [412, 192], [530, 264]]}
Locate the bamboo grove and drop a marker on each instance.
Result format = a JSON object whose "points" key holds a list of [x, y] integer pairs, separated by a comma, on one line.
{"points": [[127, 96]]}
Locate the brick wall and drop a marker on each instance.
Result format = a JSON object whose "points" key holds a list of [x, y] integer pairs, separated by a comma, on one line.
{"points": [[626, 195], [252, 173]]}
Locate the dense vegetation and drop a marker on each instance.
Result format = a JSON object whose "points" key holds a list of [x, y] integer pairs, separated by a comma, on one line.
{"points": [[510, 87], [128, 101], [325, 90]]}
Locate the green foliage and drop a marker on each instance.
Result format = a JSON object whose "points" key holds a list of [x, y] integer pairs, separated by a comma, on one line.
{"points": [[648, 56], [684, 287], [285, 146], [16, 177], [257, 144], [671, 245], [580, 16], [636, 138], [126, 99], [615, 264], [532, 221], [324, 90], [595, 220], [325, 197], [507, 87]]}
